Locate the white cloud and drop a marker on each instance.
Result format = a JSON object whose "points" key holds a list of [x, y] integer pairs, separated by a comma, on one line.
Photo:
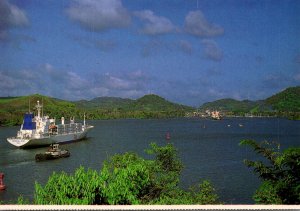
{"points": [[297, 58], [10, 17], [153, 24], [297, 76], [48, 80], [95, 15], [104, 45], [125, 81], [185, 46], [281, 80], [160, 46], [153, 47], [212, 50], [196, 24], [76, 82], [6, 82], [117, 83]]}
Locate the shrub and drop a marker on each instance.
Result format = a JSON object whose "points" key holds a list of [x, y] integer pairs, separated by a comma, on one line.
{"points": [[126, 179], [280, 174]]}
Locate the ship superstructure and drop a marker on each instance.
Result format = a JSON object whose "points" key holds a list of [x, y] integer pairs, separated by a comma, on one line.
{"points": [[42, 131]]}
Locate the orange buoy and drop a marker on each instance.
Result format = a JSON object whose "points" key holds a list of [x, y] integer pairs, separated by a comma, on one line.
{"points": [[2, 186]]}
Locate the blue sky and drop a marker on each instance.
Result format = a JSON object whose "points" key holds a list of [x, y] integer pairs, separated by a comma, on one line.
{"points": [[188, 52]]}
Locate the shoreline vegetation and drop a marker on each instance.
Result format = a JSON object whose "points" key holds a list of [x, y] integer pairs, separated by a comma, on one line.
{"points": [[284, 104]]}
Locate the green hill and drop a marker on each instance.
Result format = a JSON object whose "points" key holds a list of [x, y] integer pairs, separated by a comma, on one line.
{"points": [[148, 106], [287, 100], [12, 109], [156, 103], [285, 103], [146, 103], [230, 105]]}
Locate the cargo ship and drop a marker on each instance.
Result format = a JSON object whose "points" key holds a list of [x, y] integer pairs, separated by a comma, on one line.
{"points": [[39, 131]]}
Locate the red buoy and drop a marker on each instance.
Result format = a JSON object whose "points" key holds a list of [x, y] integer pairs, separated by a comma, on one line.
{"points": [[168, 136], [2, 186]]}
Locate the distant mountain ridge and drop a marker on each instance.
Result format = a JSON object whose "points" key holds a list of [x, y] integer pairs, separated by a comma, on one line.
{"points": [[157, 103], [285, 103], [287, 100], [149, 102], [230, 105], [148, 106]]}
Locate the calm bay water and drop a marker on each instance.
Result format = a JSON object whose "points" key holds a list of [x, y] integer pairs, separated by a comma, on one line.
{"points": [[209, 150]]}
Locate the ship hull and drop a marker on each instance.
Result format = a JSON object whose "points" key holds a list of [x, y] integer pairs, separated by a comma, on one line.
{"points": [[46, 141]]}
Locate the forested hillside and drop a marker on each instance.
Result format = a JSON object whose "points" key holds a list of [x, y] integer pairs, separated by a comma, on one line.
{"points": [[230, 105], [12, 109], [285, 103], [148, 106], [287, 100]]}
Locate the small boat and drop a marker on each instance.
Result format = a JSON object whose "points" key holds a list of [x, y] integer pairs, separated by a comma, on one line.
{"points": [[54, 152]]}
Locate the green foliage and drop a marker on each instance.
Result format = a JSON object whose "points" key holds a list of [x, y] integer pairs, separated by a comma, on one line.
{"points": [[206, 193], [283, 104], [149, 106], [230, 105], [126, 179], [80, 188], [203, 193], [22, 201], [166, 167], [280, 175], [156, 103], [13, 109], [287, 100], [166, 158], [267, 194]]}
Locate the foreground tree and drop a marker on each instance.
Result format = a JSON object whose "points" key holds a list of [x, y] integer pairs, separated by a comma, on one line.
{"points": [[127, 179], [280, 174], [61, 188]]}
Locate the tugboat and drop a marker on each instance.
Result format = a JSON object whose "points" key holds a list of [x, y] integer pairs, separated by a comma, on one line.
{"points": [[54, 152]]}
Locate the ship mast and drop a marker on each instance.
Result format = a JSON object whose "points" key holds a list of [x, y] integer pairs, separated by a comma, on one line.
{"points": [[42, 107], [38, 107], [84, 119], [29, 106]]}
